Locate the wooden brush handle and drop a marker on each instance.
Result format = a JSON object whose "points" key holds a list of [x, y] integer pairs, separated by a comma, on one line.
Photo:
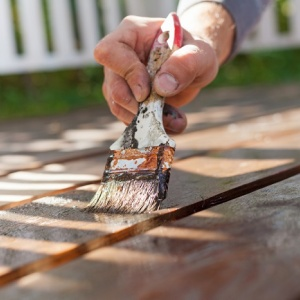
{"points": [[146, 129], [168, 39]]}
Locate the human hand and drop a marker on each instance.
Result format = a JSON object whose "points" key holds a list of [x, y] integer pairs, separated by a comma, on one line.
{"points": [[124, 53]]}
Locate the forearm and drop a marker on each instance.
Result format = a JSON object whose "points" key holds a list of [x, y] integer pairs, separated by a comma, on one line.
{"points": [[244, 14], [213, 23]]}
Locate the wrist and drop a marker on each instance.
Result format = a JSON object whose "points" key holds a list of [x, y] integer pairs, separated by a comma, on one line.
{"points": [[212, 23]]}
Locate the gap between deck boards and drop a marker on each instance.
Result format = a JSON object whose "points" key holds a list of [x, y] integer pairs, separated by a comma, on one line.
{"points": [[90, 153], [79, 250], [103, 152]]}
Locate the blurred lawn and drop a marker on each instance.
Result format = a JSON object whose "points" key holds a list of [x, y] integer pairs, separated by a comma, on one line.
{"points": [[48, 93], [58, 92], [261, 68]]}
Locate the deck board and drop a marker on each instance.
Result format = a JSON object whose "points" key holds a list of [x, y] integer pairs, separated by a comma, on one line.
{"points": [[31, 143], [238, 249], [59, 221], [16, 186], [236, 138]]}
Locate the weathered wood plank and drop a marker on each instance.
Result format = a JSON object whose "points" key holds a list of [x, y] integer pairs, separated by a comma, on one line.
{"points": [[246, 248], [47, 140], [25, 187], [201, 177], [235, 135], [252, 149]]}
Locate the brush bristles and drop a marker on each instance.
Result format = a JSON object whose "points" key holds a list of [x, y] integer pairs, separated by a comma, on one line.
{"points": [[134, 180], [133, 196]]}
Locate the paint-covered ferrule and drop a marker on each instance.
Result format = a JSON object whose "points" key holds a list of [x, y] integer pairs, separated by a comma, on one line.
{"points": [[150, 159]]}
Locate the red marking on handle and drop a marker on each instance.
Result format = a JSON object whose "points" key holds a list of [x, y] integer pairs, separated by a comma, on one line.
{"points": [[178, 32], [173, 27]]}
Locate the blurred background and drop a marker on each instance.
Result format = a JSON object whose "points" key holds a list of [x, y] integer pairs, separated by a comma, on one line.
{"points": [[46, 51]]}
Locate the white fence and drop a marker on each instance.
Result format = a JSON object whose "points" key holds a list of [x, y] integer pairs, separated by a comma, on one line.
{"points": [[52, 34]]}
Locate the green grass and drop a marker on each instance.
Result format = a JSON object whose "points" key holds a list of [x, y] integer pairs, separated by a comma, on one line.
{"points": [[49, 92], [57, 92], [261, 68]]}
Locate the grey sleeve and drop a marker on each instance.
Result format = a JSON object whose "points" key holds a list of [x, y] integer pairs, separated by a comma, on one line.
{"points": [[245, 13]]}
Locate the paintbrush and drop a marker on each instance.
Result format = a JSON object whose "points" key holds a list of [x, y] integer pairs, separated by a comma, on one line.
{"points": [[137, 171]]}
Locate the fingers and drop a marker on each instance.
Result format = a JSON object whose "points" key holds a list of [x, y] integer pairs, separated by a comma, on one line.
{"points": [[123, 105], [191, 67], [125, 52], [130, 67], [184, 97], [119, 91], [119, 97], [174, 120], [121, 113]]}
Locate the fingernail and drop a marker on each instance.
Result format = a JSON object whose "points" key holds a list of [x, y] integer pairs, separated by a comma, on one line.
{"points": [[166, 83], [137, 92], [174, 120], [170, 111]]}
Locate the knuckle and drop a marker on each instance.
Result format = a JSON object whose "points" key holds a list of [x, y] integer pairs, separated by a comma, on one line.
{"points": [[115, 109], [123, 97], [104, 90], [102, 51], [117, 96], [133, 71], [118, 92], [129, 21], [200, 64], [194, 59], [206, 57]]}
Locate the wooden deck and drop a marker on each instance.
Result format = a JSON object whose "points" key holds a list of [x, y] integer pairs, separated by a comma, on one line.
{"points": [[229, 228]]}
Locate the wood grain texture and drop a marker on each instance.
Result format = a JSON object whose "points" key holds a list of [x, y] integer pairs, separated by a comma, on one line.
{"points": [[239, 249], [22, 187], [56, 219], [230, 149], [49, 139], [26, 186], [39, 141]]}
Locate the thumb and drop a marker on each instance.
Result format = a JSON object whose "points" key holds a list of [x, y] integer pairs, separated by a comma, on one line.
{"points": [[192, 64]]}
